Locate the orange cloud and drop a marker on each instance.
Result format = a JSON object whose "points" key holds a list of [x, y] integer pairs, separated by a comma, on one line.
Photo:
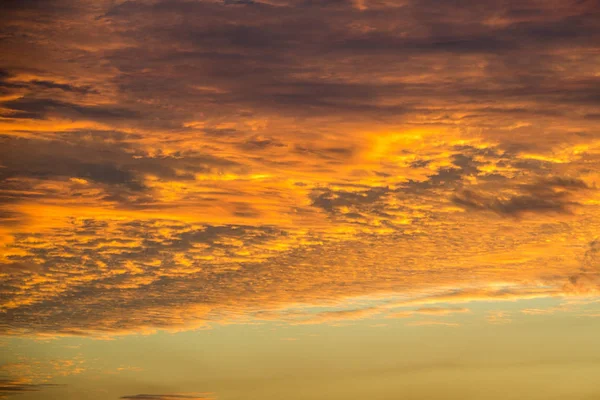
{"points": [[170, 170]]}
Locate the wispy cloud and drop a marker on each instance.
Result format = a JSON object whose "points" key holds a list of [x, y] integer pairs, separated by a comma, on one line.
{"points": [[498, 317], [432, 323], [10, 387], [168, 397]]}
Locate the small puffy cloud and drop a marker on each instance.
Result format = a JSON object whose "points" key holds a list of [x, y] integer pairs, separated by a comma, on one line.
{"points": [[498, 317]]}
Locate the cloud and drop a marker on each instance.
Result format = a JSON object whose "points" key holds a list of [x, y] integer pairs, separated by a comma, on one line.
{"points": [[538, 311], [400, 314], [498, 317], [11, 387], [175, 164], [587, 279], [62, 86], [427, 311], [32, 108], [442, 310], [432, 323], [338, 316], [166, 397], [549, 195]]}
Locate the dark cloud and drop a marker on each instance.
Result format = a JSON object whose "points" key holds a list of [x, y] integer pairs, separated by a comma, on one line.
{"points": [[104, 158], [550, 195], [34, 108], [327, 153], [51, 160], [587, 279], [11, 387], [62, 86], [260, 143], [330, 200], [245, 52], [19, 268], [240, 2], [464, 165]]}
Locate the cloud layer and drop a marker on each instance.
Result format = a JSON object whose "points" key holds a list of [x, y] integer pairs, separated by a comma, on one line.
{"points": [[165, 164]]}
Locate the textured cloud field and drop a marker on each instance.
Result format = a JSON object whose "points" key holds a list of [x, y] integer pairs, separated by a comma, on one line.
{"points": [[172, 164]]}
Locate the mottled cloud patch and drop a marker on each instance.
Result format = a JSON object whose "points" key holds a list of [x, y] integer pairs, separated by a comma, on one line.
{"points": [[42, 370]]}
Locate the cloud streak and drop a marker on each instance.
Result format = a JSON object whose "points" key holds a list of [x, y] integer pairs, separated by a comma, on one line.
{"points": [[165, 397], [11, 387]]}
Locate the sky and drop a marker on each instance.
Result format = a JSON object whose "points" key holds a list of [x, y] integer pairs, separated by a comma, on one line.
{"points": [[299, 199]]}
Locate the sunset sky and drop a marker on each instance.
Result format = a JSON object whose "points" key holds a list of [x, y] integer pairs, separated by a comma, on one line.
{"points": [[299, 199]]}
